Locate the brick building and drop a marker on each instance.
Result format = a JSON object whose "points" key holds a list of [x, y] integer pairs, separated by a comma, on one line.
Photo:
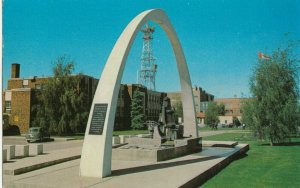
{"points": [[152, 104], [20, 96], [200, 97], [232, 105], [233, 108]]}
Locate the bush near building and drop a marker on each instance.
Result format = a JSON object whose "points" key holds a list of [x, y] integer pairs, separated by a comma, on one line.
{"points": [[61, 106]]}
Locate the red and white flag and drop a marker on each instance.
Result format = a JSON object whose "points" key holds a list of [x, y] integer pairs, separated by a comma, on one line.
{"points": [[263, 56]]}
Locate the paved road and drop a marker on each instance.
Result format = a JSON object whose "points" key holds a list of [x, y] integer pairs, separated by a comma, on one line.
{"points": [[58, 144]]}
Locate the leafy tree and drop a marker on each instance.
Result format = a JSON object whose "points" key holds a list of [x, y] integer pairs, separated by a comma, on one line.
{"points": [[137, 111], [221, 108], [236, 121], [60, 106], [211, 115], [274, 113]]}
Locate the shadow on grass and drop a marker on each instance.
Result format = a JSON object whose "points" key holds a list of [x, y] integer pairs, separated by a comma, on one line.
{"points": [[159, 166], [284, 144]]}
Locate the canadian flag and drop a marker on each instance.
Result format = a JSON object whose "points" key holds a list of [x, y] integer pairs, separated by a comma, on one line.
{"points": [[263, 56]]}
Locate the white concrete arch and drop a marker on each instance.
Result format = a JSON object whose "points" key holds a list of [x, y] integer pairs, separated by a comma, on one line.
{"points": [[97, 149]]}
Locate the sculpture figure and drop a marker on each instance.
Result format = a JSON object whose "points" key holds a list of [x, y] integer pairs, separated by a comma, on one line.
{"points": [[167, 129]]}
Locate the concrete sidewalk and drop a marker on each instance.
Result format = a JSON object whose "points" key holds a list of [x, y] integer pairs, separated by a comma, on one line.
{"points": [[23, 165], [187, 171]]}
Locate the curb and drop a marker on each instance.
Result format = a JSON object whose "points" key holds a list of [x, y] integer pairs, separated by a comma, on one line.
{"points": [[38, 166], [194, 182]]}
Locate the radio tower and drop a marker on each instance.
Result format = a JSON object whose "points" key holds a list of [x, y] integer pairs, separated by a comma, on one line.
{"points": [[148, 67]]}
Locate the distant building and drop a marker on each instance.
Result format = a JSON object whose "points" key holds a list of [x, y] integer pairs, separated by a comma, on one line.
{"points": [[20, 97], [201, 97], [152, 104], [233, 108]]}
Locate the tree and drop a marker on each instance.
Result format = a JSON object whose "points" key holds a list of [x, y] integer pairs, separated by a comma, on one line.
{"points": [[137, 111], [60, 106], [274, 113], [236, 122], [211, 115], [221, 108]]}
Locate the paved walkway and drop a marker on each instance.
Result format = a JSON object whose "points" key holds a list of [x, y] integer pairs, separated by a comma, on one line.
{"points": [[27, 164], [177, 172], [187, 171]]}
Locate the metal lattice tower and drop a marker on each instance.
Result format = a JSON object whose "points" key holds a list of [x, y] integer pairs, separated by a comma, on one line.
{"points": [[148, 67]]}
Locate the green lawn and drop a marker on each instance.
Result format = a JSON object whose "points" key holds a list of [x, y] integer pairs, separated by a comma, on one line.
{"points": [[264, 166], [130, 132]]}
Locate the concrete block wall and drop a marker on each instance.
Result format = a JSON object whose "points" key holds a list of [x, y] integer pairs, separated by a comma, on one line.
{"points": [[144, 141]]}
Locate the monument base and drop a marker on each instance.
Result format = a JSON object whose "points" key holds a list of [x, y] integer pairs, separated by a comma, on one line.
{"points": [[140, 150]]}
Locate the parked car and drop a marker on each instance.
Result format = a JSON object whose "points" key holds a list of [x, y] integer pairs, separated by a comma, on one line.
{"points": [[37, 134]]}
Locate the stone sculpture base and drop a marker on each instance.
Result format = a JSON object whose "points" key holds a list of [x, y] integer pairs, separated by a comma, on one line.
{"points": [[141, 149]]}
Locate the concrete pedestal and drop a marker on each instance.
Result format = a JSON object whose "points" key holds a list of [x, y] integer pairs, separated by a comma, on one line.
{"points": [[10, 151], [36, 149], [4, 155], [142, 149], [22, 150]]}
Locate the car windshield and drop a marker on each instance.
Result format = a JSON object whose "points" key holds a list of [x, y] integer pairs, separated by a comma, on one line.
{"points": [[34, 130]]}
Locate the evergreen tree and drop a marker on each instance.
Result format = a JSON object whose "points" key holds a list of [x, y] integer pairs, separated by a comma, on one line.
{"points": [[60, 106], [137, 111], [274, 114]]}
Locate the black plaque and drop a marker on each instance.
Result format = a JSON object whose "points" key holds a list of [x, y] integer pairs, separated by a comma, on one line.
{"points": [[98, 119]]}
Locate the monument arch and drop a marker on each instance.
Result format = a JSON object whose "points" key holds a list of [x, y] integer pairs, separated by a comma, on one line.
{"points": [[97, 145]]}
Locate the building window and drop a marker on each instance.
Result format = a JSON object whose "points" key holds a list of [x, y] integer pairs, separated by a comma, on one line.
{"points": [[8, 106], [25, 83]]}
